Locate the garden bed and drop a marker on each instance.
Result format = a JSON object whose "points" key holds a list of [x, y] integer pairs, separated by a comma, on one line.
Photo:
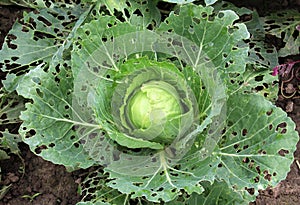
{"points": [[31, 180]]}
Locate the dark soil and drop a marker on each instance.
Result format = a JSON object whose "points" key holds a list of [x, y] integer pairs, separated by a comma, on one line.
{"points": [[32, 180], [50, 183]]}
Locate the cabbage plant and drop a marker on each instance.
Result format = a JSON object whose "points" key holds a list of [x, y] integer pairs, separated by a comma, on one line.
{"points": [[167, 110]]}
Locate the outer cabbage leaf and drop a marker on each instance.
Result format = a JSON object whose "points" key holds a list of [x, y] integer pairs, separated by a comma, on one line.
{"points": [[35, 41], [217, 193], [214, 33], [47, 125], [260, 54], [11, 106], [283, 24], [94, 190], [207, 2], [179, 1], [257, 146], [136, 12]]}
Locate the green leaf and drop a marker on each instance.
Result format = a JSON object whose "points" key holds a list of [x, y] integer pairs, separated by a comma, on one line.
{"points": [[139, 13], [35, 41], [210, 2], [283, 24], [47, 125], [94, 190], [179, 1], [155, 179], [200, 24], [255, 80], [3, 155], [216, 193], [260, 54], [11, 106], [257, 147], [10, 141]]}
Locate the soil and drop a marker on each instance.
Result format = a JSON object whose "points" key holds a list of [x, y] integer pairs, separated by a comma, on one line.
{"points": [[32, 180]]}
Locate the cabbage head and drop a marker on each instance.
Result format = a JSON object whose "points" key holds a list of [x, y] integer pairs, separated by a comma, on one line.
{"points": [[151, 104]]}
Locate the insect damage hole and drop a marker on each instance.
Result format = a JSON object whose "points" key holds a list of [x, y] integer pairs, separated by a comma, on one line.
{"points": [[244, 132], [283, 152]]}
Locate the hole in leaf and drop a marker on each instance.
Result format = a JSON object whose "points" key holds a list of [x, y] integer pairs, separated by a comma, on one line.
{"points": [[96, 69], [244, 132], [57, 79], [250, 190], [39, 149], [256, 179], [267, 175], [203, 14], [83, 88], [138, 183], [25, 29], [160, 189], [251, 164], [261, 151], [211, 17], [39, 92], [45, 21], [14, 58], [283, 152], [76, 145], [196, 20], [174, 174], [246, 160], [258, 169], [269, 112], [154, 194], [281, 126], [236, 146]]}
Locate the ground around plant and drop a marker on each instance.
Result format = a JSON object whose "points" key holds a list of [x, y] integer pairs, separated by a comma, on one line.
{"points": [[31, 180]]}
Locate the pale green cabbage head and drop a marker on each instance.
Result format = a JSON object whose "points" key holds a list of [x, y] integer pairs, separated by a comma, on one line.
{"points": [[153, 103]]}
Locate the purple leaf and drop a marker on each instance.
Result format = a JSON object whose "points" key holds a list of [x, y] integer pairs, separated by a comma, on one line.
{"points": [[284, 69]]}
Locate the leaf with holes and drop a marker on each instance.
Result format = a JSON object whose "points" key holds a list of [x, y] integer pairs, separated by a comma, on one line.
{"points": [[11, 106], [283, 24], [139, 13], [47, 125], [257, 146], [217, 193], [35, 41]]}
